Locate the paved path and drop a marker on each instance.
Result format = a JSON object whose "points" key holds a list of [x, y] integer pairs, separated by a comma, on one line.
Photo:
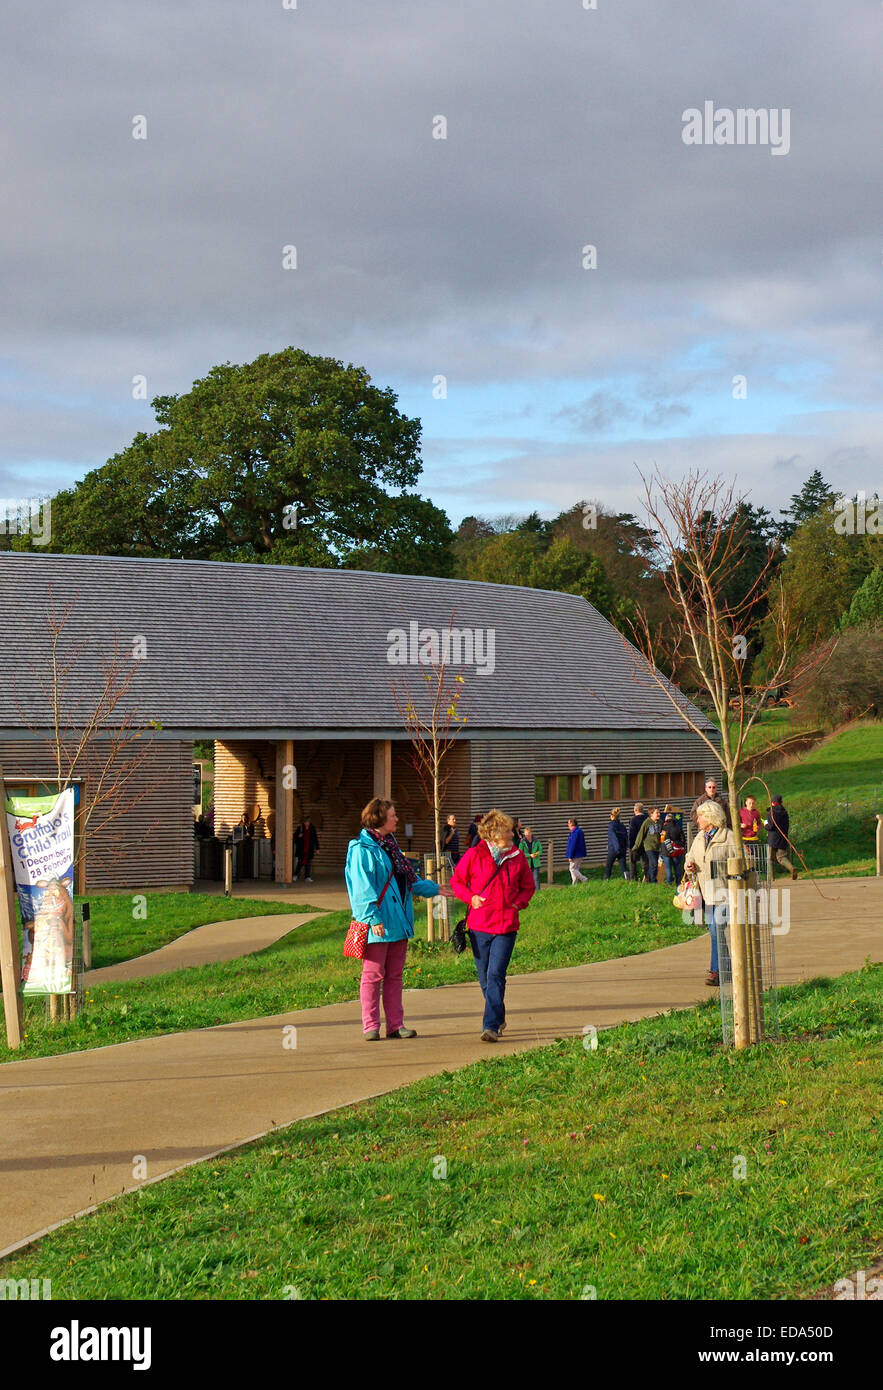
{"points": [[70, 1126], [327, 893], [241, 936]]}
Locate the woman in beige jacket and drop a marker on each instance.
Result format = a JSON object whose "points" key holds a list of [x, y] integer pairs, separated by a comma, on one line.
{"points": [[706, 861]]}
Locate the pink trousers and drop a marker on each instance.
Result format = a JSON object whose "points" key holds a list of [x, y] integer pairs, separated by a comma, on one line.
{"points": [[382, 968]]}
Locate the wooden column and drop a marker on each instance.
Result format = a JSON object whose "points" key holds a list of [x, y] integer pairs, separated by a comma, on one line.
{"points": [[383, 768], [10, 963], [284, 812]]}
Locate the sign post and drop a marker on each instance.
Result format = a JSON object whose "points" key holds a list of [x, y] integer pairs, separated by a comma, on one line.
{"points": [[10, 964]]}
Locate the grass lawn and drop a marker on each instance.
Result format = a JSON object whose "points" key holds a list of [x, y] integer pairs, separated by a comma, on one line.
{"points": [[656, 1167], [772, 727], [563, 926], [813, 789], [117, 935]]}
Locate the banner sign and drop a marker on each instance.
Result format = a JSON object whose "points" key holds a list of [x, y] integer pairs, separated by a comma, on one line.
{"points": [[41, 831]]}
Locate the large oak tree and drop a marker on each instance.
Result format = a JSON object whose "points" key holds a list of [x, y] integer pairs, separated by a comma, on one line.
{"points": [[290, 459]]}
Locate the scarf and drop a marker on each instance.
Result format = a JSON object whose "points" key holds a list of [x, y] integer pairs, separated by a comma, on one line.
{"points": [[402, 871]]}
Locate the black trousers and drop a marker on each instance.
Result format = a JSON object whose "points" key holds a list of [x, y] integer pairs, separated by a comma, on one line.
{"points": [[612, 857]]}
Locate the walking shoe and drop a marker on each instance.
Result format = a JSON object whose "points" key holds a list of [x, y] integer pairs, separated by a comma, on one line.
{"points": [[373, 1036], [501, 1029], [403, 1033], [490, 1036], [793, 874], [712, 978]]}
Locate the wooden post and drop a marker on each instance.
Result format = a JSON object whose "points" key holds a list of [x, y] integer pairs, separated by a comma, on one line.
{"points": [[879, 845], [747, 1018], [430, 902], [383, 768], [444, 920], [228, 870], [550, 856], [10, 963], [284, 807], [87, 938]]}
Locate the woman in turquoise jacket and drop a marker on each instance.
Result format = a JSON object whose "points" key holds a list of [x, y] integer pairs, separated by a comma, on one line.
{"points": [[380, 883]]}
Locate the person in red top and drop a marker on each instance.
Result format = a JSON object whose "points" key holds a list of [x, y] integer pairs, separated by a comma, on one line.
{"points": [[495, 880], [750, 819]]}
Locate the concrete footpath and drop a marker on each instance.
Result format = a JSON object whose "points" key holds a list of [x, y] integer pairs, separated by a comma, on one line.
{"points": [[241, 936], [72, 1126]]}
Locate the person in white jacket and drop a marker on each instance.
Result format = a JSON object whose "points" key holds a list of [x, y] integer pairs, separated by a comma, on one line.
{"points": [[706, 861]]}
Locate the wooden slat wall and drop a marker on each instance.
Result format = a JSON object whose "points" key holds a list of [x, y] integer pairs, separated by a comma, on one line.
{"points": [[245, 775], [151, 844], [503, 773], [335, 779]]}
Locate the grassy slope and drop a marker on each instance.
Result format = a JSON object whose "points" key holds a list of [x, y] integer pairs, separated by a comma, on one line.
{"points": [[850, 763], [569, 1174], [563, 926], [117, 935]]}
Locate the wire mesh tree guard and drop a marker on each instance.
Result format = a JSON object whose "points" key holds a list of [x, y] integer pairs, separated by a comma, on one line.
{"points": [[762, 921]]}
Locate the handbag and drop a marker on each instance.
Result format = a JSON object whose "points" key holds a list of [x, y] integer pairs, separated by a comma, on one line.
{"points": [[688, 896], [458, 935], [357, 932]]}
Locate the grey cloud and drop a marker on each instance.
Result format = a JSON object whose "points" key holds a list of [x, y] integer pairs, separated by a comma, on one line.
{"points": [[415, 256]]}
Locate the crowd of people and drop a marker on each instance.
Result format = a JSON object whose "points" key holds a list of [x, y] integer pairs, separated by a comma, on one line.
{"points": [[498, 873]]}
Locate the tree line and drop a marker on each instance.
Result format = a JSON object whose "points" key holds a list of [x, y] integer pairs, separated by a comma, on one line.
{"points": [[302, 460]]}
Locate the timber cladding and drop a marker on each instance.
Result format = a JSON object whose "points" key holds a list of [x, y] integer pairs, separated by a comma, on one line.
{"points": [[504, 772], [150, 843], [334, 781]]}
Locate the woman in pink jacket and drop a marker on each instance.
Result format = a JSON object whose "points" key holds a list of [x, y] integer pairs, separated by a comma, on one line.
{"points": [[495, 881]]}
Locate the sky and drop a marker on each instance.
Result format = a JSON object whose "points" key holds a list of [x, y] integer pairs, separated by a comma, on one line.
{"points": [[731, 322]]}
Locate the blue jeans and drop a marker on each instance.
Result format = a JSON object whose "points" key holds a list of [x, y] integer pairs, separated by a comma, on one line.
{"points": [[492, 952], [652, 864], [674, 869], [715, 924]]}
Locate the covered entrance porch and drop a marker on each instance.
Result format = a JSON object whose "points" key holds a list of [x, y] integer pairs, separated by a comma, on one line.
{"points": [[329, 780]]}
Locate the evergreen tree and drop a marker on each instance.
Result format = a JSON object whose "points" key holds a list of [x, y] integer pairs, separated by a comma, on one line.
{"points": [[808, 502], [866, 608]]}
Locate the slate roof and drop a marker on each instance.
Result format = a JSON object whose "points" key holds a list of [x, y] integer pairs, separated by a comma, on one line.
{"points": [[234, 648]]}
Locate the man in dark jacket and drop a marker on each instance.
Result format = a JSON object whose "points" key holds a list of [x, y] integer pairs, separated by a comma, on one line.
{"points": [[777, 826], [617, 845], [711, 793], [306, 843]]}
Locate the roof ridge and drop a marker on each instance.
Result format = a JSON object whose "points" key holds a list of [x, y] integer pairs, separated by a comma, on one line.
{"points": [[31, 556]]}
